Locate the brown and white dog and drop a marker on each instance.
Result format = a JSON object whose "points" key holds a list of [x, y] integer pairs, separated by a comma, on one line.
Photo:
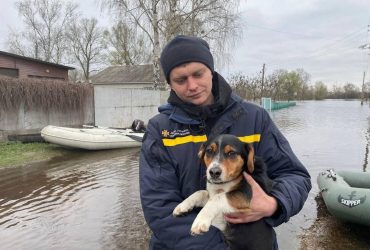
{"points": [[226, 157]]}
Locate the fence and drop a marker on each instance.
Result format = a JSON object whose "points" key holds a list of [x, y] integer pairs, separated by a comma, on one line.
{"points": [[118, 107], [269, 105], [27, 106]]}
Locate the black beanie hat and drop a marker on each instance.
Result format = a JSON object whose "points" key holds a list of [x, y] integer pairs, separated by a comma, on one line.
{"points": [[183, 49]]}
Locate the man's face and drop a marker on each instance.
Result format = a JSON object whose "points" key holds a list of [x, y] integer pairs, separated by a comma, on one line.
{"points": [[192, 83]]}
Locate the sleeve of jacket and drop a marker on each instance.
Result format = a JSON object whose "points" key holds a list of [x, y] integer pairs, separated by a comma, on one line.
{"points": [[292, 181], [160, 194]]}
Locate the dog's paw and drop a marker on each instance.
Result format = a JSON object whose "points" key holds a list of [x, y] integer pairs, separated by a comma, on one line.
{"points": [[200, 226], [181, 209]]}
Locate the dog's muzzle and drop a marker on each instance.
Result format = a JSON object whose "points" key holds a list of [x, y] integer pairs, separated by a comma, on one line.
{"points": [[215, 173]]}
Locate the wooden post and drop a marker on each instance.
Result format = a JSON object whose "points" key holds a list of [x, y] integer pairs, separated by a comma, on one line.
{"points": [[363, 89], [263, 79]]}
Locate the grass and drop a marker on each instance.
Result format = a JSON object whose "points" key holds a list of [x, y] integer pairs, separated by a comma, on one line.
{"points": [[17, 154]]}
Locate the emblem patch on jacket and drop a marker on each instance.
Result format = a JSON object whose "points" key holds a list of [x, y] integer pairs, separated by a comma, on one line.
{"points": [[175, 133], [180, 136]]}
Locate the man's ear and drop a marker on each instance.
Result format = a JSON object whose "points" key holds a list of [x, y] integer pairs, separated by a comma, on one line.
{"points": [[250, 158]]}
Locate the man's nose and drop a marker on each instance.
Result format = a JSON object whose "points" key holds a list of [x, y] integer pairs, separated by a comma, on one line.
{"points": [[192, 83]]}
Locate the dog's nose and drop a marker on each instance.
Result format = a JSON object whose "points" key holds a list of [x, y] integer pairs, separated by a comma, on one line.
{"points": [[215, 172]]}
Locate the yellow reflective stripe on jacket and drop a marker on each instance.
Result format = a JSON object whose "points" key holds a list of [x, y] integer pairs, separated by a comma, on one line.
{"points": [[203, 138], [182, 140], [250, 138]]}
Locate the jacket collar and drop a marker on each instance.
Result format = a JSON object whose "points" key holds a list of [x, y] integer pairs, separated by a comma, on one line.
{"points": [[178, 115]]}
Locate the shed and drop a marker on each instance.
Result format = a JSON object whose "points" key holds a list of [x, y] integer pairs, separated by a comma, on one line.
{"points": [[125, 93], [17, 66], [130, 76]]}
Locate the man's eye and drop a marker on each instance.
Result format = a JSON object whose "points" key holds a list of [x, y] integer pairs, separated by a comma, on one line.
{"points": [[179, 81]]}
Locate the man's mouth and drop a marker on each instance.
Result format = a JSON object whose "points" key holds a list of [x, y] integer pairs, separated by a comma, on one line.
{"points": [[195, 96]]}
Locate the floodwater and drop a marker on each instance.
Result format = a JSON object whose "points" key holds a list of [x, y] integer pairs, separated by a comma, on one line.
{"points": [[324, 134], [90, 200]]}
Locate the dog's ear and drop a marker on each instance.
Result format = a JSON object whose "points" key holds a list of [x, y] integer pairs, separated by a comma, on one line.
{"points": [[250, 159], [202, 151]]}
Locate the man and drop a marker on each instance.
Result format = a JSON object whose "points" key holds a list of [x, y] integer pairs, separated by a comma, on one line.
{"points": [[202, 106]]}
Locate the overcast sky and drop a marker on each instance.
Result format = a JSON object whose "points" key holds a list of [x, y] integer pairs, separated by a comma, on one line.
{"points": [[321, 36]]}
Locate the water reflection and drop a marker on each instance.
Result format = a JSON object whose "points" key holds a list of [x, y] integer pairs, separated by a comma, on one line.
{"points": [[366, 161], [90, 200], [325, 134]]}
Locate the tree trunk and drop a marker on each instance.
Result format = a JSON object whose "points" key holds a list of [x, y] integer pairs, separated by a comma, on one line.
{"points": [[156, 69]]}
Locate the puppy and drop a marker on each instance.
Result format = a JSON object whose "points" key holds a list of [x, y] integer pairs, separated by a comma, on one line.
{"points": [[226, 157]]}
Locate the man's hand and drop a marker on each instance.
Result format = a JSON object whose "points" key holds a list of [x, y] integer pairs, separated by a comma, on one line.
{"points": [[262, 205]]}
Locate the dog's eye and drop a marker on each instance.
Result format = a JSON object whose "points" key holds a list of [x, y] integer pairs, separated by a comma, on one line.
{"points": [[209, 151], [231, 154]]}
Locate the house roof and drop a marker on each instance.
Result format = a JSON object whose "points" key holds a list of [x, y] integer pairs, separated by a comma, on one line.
{"points": [[129, 74], [35, 60]]}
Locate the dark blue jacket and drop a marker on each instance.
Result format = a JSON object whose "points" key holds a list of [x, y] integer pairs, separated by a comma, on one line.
{"points": [[170, 170]]}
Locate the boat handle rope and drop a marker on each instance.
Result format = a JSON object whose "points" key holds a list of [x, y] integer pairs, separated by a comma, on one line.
{"points": [[331, 174]]}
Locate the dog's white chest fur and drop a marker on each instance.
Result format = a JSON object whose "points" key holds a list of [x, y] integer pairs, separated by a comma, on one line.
{"points": [[214, 203]]}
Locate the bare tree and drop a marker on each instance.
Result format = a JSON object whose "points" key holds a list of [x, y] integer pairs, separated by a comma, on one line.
{"points": [[351, 91], [143, 14], [44, 34], [304, 79], [245, 86], [161, 20], [126, 47], [214, 20], [321, 91], [87, 43]]}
